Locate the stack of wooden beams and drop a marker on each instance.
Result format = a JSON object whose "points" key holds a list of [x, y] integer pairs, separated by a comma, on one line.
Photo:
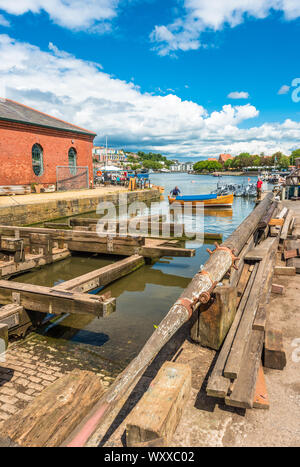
{"points": [[235, 375]]}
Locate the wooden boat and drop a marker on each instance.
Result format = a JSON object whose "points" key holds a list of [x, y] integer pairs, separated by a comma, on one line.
{"points": [[210, 201]]}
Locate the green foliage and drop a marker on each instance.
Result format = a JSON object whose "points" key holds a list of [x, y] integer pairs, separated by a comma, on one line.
{"points": [[207, 166], [294, 156], [154, 165]]}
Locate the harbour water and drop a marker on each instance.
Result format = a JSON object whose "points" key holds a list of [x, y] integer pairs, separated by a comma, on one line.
{"points": [[145, 296]]}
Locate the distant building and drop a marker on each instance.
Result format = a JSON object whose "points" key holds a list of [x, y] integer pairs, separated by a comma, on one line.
{"points": [[224, 158], [212, 159], [182, 167], [33, 144], [109, 155]]}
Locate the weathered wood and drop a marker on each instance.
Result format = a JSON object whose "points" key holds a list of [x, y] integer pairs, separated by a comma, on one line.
{"points": [[274, 354], [216, 267], [277, 289], [245, 276], [51, 416], [245, 385], [218, 384], [11, 244], [10, 314], [260, 251], [50, 300], [286, 226], [261, 398], [31, 261], [260, 319], [284, 271], [214, 320], [103, 276], [294, 263], [287, 254], [234, 361], [264, 222], [158, 412], [56, 225], [276, 222]]}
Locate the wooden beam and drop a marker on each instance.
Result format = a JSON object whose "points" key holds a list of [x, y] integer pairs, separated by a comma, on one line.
{"points": [[218, 384], [244, 387], [51, 416], [10, 314], [234, 361], [274, 354], [32, 261], [50, 300], [158, 412], [103, 276]]}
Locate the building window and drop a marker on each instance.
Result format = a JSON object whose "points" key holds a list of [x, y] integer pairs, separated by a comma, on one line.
{"points": [[37, 160], [72, 160]]}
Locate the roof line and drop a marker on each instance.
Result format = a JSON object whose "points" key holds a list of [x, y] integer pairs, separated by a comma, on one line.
{"points": [[50, 116]]}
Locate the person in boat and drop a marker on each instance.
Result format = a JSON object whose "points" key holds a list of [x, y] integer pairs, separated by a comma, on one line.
{"points": [[259, 188], [175, 191]]}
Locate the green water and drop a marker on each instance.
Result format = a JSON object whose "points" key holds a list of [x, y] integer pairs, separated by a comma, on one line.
{"points": [[145, 296]]}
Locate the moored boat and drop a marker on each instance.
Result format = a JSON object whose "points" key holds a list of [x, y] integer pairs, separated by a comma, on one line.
{"points": [[211, 201]]}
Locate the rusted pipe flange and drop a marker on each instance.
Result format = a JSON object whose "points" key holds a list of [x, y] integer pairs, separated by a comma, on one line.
{"points": [[187, 304], [225, 248]]}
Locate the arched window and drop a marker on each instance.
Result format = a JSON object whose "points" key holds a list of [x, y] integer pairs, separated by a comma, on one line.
{"points": [[72, 160], [37, 159]]}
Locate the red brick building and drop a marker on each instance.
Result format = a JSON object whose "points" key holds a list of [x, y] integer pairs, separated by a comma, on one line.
{"points": [[33, 145]]}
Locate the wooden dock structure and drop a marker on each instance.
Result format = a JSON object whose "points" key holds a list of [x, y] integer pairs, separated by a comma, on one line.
{"points": [[227, 304]]}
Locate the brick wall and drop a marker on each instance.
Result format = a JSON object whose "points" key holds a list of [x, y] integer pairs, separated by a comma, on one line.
{"points": [[16, 141]]}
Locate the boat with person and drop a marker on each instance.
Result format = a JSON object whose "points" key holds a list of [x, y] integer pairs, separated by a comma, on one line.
{"points": [[211, 201]]}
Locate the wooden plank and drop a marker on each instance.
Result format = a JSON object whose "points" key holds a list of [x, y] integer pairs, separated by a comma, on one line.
{"points": [[286, 226], [55, 412], [260, 319], [274, 354], [244, 387], [31, 261], [261, 398], [218, 385], [103, 276], [276, 222], [158, 412], [245, 276], [234, 361], [260, 251], [50, 300], [284, 271], [287, 254]]}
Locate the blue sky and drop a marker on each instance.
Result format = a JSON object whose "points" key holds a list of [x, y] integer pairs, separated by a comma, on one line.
{"points": [[162, 76]]}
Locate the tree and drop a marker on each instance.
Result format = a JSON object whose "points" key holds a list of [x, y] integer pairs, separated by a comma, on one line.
{"points": [[294, 155], [207, 166]]}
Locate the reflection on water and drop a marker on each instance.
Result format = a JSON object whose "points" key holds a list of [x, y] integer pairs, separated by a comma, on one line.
{"points": [[145, 296]]}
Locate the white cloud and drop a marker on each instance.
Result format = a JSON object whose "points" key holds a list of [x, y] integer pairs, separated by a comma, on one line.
{"points": [[284, 89], [238, 95], [4, 22], [198, 16], [80, 92], [72, 14]]}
